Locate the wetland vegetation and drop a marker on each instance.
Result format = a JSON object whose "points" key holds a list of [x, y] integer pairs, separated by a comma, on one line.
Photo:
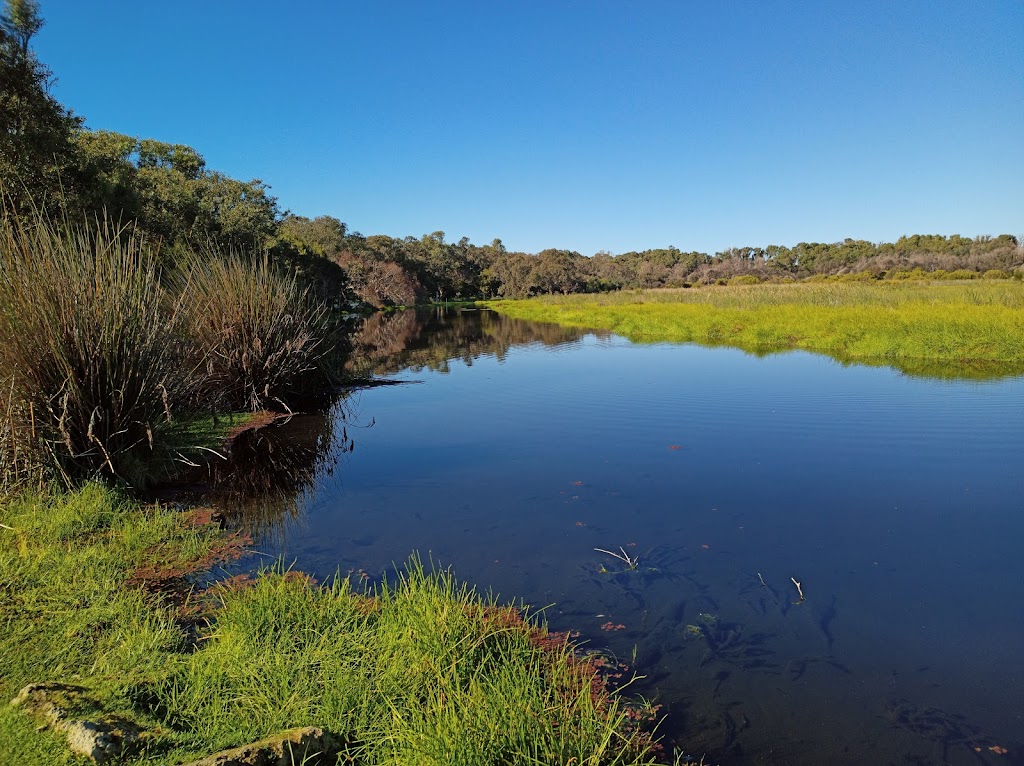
{"points": [[147, 303], [965, 329]]}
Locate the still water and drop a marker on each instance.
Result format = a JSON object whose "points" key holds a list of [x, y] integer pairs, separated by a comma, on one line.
{"points": [[510, 451]]}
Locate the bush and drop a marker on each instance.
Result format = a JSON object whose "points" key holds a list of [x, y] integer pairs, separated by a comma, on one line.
{"points": [[87, 347], [261, 340], [745, 279], [962, 274]]}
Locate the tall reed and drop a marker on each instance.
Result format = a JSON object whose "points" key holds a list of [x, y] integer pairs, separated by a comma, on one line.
{"points": [[87, 346], [264, 341]]}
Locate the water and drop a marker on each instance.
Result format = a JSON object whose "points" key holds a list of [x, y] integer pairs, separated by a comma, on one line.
{"points": [[514, 450]]}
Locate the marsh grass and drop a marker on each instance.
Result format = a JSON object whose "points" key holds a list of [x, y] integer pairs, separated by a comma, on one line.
{"points": [[88, 355], [419, 670], [264, 340], [65, 611], [106, 362], [972, 330]]}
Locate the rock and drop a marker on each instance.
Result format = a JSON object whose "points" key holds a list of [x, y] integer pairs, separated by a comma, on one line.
{"points": [[99, 740], [309, 746], [48, 701]]}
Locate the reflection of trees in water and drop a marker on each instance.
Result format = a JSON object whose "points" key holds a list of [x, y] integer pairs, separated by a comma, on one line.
{"points": [[432, 338], [269, 470]]}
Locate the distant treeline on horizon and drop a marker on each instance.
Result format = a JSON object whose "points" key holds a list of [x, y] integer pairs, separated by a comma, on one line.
{"points": [[51, 164]]}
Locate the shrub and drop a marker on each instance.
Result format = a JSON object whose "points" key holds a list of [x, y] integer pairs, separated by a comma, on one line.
{"points": [[962, 274], [87, 352], [261, 339], [745, 279]]}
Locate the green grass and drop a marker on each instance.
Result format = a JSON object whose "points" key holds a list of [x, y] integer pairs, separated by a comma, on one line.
{"points": [[423, 670], [950, 330], [66, 613]]}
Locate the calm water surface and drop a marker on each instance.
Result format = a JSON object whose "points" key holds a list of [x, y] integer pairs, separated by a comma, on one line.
{"points": [[515, 450]]}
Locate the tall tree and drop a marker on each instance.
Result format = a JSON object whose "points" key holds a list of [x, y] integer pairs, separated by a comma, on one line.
{"points": [[36, 148]]}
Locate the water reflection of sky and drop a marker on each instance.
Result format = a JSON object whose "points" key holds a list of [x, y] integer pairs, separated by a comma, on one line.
{"points": [[895, 501]]}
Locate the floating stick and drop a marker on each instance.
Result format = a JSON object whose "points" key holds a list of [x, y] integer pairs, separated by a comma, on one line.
{"points": [[763, 583], [798, 588], [631, 563]]}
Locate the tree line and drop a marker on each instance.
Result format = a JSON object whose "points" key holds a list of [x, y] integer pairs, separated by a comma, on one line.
{"points": [[50, 160]]}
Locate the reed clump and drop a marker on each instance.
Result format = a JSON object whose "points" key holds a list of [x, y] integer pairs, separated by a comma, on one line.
{"points": [[105, 356], [263, 339], [88, 347]]}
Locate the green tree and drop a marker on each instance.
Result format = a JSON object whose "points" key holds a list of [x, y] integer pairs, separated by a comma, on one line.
{"points": [[558, 270], [323, 236], [36, 148]]}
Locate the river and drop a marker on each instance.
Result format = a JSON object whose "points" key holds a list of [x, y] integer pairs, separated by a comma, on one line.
{"points": [[513, 451]]}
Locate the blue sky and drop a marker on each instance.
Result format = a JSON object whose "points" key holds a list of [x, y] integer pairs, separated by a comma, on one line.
{"points": [[589, 125]]}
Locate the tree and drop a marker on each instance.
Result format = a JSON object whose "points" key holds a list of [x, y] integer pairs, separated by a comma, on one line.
{"points": [[324, 236], [36, 149], [511, 275], [557, 270]]}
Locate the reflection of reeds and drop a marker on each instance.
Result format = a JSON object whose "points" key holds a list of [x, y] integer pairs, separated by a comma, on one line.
{"points": [[270, 470]]}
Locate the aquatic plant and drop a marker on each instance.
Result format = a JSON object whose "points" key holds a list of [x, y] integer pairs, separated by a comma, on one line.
{"points": [[89, 362], [262, 340]]}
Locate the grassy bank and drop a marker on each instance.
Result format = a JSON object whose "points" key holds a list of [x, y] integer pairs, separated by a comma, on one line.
{"points": [[957, 330], [422, 671]]}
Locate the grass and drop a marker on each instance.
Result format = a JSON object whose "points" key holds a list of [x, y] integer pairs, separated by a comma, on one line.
{"points": [[89, 366], [971, 329], [264, 340], [104, 359], [65, 611], [422, 670]]}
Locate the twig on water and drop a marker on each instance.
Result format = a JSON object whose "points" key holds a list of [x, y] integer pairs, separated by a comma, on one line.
{"points": [[799, 590], [763, 583], [630, 562]]}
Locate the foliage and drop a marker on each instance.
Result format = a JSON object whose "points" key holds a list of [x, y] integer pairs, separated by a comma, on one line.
{"points": [[104, 359], [167, 190], [36, 150]]}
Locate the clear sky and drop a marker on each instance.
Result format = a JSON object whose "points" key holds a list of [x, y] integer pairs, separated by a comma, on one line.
{"points": [[589, 125]]}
